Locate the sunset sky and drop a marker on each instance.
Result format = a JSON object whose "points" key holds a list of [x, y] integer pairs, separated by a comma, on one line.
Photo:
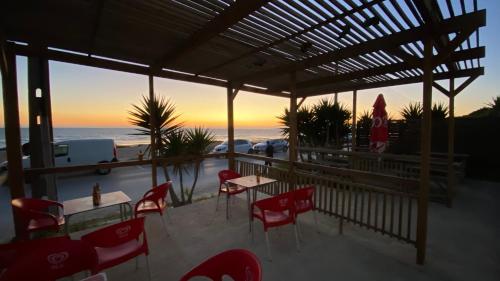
{"points": [[91, 97]]}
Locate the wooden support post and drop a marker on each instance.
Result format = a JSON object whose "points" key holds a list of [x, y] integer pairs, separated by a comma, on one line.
{"points": [[154, 133], [336, 98], [40, 127], [353, 132], [293, 140], [230, 127], [423, 195], [12, 125], [451, 143]]}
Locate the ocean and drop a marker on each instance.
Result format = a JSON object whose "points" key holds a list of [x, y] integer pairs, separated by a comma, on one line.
{"points": [[127, 137]]}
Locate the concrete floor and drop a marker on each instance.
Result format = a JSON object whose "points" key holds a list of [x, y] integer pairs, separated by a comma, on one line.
{"points": [[462, 244]]}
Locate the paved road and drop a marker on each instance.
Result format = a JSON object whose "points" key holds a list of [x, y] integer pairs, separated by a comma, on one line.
{"points": [[134, 181]]}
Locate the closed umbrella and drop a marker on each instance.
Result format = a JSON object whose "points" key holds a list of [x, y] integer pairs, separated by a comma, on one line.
{"points": [[379, 132]]}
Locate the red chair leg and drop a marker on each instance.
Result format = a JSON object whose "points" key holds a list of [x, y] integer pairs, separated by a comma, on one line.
{"points": [[268, 246]]}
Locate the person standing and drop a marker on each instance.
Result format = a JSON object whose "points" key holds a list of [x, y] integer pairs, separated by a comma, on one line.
{"points": [[269, 153]]}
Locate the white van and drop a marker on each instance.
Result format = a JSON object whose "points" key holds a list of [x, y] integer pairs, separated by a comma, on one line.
{"points": [[82, 152]]}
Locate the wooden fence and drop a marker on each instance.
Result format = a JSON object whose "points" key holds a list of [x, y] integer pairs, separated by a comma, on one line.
{"points": [[404, 166], [382, 209]]}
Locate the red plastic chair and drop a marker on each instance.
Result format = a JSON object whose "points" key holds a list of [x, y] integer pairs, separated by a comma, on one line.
{"points": [[228, 189], [50, 259], [33, 215], [154, 201], [11, 251], [239, 264], [273, 212], [304, 202], [118, 243]]}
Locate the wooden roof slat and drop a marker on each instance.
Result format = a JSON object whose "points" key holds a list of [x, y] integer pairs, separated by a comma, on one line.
{"points": [[386, 69], [237, 11], [359, 22], [260, 48], [395, 82], [289, 37], [450, 25]]}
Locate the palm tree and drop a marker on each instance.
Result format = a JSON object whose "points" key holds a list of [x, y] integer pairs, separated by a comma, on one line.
{"points": [[199, 140], [190, 144], [413, 111], [331, 121], [305, 129], [165, 119], [439, 112]]}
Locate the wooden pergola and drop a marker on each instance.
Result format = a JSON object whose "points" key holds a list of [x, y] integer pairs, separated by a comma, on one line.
{"points": [[289, 49]]}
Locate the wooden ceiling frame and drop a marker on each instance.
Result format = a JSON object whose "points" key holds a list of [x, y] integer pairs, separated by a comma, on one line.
{"points": [[386, 69], [467, 73], [233, 14], [456, 24], [290, 37], [69, 57], [349, 43]]}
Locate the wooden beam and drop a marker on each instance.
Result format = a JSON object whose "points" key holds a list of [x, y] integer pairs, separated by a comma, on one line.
{"points": [[109, 64], [293, 140], [292, 36], [425, 132], [451, 144], [235, 93], [429, 10], [441, 88], [153, 135], [395, 82], [12, 126], [386, 69], [227, 18], [446, 51], [465, 84], [302, 100], [230, 128], [40, 127], [472, 20], [95, 28], [353, 129], [381, 70]]}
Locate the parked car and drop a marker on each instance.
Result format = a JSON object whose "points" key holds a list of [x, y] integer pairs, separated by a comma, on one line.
{"points": [[278, 145], [240, 145], [79, 152]]}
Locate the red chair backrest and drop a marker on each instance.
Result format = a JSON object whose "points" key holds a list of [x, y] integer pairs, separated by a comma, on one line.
{"points": [[225, 175], [117, 234], [159, 193], [304, 193], [32, 204], [239, 264], [23, 208], [11, 251], [278, 203], [52, 259]]}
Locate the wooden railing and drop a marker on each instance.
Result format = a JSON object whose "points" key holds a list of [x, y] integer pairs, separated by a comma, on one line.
{"points": [[383, 209], [403, 166]]}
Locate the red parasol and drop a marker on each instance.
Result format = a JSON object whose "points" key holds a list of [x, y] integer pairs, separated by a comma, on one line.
{"points": [[379, 132]]}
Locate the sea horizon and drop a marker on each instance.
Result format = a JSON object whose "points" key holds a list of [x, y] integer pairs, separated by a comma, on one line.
{"points": [[127, 136]]}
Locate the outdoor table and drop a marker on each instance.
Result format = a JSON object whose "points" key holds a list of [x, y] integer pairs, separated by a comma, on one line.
{"points": [[85, 204], [250, 182]]}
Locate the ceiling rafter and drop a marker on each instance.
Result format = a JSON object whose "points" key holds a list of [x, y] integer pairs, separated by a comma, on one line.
{"points": [[472, 72], [471, 20], [385, 69], [236, 12], [290, 37]]}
